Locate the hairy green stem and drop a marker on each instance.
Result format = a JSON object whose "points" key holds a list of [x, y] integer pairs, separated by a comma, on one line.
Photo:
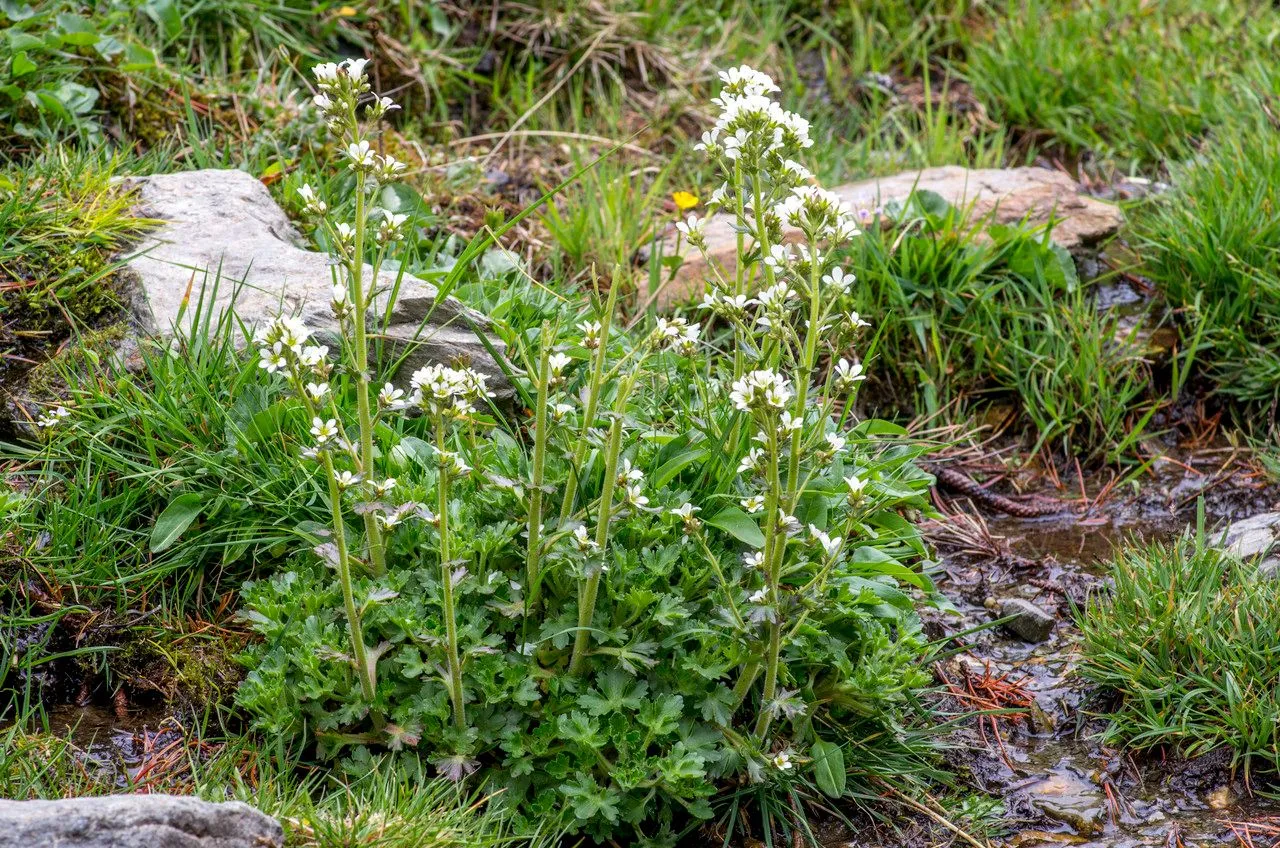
{"points": [[594, 389], [454, 665], [587, 598], [354, 628], [533, 560], [373, 533]]}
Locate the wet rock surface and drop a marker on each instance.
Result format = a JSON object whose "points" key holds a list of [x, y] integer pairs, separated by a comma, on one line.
{"points": [[1007, 195], [1252, 537], [1026, 620], [1059, 784], [136, 821], [223, 227]]}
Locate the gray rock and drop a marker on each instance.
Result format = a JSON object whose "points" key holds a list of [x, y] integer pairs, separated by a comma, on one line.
{"points": [[1064, 796], [136, 821], [1253, 536], [1028, 622], [222, 226], [1008, 195]]}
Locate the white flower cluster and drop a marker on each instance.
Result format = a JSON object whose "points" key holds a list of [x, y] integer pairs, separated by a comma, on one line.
{"points": [[761, 390], [282, 347], [441, 390]]}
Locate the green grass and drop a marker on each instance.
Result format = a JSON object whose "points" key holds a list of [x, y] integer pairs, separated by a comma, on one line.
{"points": [[1136, 82], [61, 218], [973, 314], [1212, 244], [388, 806], [1184, 649]]}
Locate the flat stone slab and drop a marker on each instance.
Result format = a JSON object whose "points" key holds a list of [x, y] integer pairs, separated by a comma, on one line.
{"points": [[1008, 195], [136, 821], [223, 226], [1252, 537]]}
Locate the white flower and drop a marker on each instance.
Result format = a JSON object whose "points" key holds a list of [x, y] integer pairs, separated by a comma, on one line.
{"points": [[53, 417], [272, 359], [789, 423], [635, 497], [755, 503], [345, 479], [345, 232], [835, 442], [848, 374], [855, 321], [360, 154], [670, 328], [390, 395], [317, 391], [384, 487], [560, 411], [339, 293], [355, 67], [781, 761], [753, 559], [758, 596], [590, 334], [323, 430], [856, 486], [313, 355], [314, 204], [830, 545], [326, 73], [583, 541], [691, 228], [557, 363], [747, 80], [839, 280], [751, 462], [759, 390], [685, 513], [628, 474], [788, 523]]}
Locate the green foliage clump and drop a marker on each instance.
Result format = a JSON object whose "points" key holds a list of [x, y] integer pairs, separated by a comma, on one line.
{"points": [[1212, 244], [982, 314], [1185, 643], [690, 567]]}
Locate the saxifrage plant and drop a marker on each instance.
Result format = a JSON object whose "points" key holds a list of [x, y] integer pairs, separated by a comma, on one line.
{"points": [[687, 567]]}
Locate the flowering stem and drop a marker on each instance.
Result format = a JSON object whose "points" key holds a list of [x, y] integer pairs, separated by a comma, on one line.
{"points": [[354, 629], [377, 556], [454, 665], [775, 546], [587, 600], [592, 402], [802, 383], [539, 461]]}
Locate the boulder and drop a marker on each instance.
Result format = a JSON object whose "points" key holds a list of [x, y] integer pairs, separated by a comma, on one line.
{"points": [[1026, 620], [136, 821], [1008, 195], [222, 227], [1252, 537]]}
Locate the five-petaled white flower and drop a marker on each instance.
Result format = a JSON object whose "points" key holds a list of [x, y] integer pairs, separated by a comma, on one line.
{"points": [[318, 391], [390, 395], [345, 479], [758, 596], [323, 430], [753, 559], [583, 541], [755, 503], [781, 761]]}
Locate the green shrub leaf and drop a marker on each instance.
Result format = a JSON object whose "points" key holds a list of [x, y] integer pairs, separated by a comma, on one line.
{"points": [[175, 519], [828, 767]]}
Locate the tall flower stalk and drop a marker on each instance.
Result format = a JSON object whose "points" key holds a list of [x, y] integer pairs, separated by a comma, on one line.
{"points": [[444, 395]]}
